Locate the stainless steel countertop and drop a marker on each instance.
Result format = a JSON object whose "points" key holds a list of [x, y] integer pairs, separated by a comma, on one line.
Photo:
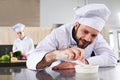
{"points": [[22, 73]]}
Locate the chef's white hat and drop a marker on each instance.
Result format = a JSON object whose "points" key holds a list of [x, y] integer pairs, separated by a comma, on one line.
{"points": [[18, 27], [93, 15]]}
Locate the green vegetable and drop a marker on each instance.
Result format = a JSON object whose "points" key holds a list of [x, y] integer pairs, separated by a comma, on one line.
{"points": [[17, 54], [5, 57]]}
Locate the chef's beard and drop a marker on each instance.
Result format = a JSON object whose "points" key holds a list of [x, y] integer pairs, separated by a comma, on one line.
{"points": [[81, 43], [84, 43]]}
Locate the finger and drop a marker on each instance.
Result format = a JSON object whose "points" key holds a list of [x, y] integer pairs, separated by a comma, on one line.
{"points": [[83, 61], [81, 54], [77, 53], [70, 53]]}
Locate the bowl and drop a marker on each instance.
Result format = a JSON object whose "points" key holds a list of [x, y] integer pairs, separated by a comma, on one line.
{"points": [[86, 68]]}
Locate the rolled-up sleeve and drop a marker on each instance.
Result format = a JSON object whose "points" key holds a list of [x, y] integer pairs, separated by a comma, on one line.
{"points": [[34, 59]]}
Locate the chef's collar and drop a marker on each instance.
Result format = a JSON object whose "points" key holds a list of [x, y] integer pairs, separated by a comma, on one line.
{"points": [[72, 41]]}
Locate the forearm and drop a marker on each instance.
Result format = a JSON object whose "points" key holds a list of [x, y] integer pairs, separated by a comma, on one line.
{"points": [[47, 60]]}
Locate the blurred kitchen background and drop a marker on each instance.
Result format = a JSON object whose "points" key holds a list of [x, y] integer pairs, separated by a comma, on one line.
{"points": [[41, 16]]}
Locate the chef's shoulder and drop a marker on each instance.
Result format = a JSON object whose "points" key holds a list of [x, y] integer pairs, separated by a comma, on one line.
{"points": [[63, 28]]}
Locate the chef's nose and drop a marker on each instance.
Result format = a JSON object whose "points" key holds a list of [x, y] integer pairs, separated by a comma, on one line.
{"points": [[88, 37]]}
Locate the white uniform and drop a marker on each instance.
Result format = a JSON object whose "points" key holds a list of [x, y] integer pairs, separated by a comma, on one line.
{"points": [[25, 45], [61, 38]]}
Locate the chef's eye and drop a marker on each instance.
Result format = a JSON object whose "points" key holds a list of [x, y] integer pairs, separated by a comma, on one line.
{"points": [[94, 35], [85, 32]]}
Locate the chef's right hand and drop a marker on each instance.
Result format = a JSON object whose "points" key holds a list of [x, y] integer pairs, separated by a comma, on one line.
{"points": [[74, 54]]}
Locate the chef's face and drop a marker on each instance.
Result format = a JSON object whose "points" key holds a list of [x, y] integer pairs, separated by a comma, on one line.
{"points": [[84, 35], [20, 35]]}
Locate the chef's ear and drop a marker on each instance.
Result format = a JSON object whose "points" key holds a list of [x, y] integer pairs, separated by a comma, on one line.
{"points": [[77, 24]]}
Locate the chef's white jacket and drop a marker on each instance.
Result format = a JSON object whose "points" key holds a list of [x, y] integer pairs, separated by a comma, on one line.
{"points": [[61, 38], [25, 45]]}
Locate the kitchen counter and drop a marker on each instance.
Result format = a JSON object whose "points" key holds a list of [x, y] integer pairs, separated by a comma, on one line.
{"points": [[18, 63], [22, 73]]}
